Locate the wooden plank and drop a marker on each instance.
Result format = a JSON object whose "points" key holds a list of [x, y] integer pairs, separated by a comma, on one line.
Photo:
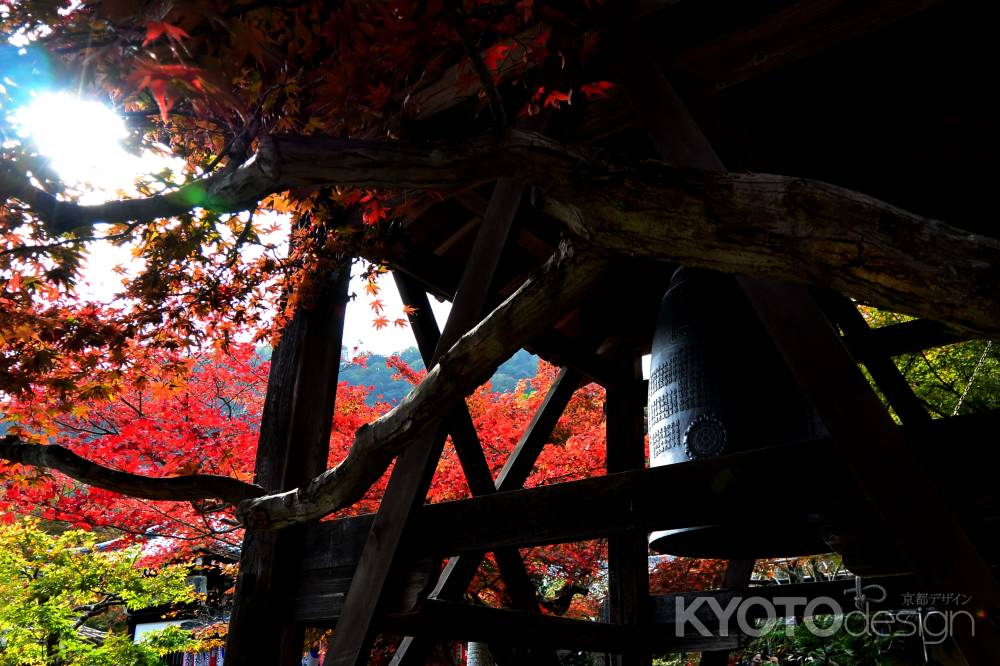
{"points": [[459, 571], [292, 448], [521, 461], [633, 501], [453, 621], [628, 554], [404, 494], [859, 340], [525, 237]]}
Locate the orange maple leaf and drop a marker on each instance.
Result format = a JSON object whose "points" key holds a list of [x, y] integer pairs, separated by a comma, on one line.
{"points": [[380, 322]]}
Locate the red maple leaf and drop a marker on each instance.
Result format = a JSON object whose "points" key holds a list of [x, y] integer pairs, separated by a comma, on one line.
{"points": [[596, 89], [156, 29], [495, 56], [556, 98], [163, 80]]}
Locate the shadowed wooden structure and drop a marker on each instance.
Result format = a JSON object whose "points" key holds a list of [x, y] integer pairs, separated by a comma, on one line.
{"points": [[886, 98]]}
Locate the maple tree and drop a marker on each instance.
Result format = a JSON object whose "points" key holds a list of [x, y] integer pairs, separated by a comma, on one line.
{"points": [[200, 414], [322, 100], [59, 595]]}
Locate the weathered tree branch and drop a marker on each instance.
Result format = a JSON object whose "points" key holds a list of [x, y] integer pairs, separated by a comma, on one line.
{"points": [[542, 300], [760, 226], [181, 488], [793, 230]]}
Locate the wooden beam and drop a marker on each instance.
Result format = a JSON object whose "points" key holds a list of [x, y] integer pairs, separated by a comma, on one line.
{"points": [[463, 622], [521, 461], [447, 620], [910, 337], [599, 507], [459, 571], [477, 473], [898, 589], [292, 448], [463, 431], [633, 501], [524, 236], [858, 337], [414, 468], [559, 349]]}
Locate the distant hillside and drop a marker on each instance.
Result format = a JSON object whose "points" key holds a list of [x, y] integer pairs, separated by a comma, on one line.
{"points": [[520, 366]]}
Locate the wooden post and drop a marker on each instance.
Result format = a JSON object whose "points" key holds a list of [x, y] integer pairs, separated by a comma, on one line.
{"points": [[628, 554], [292, 448]]}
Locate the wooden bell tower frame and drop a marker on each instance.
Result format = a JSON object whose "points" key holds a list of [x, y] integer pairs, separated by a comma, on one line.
{"points": [[363, 575]]}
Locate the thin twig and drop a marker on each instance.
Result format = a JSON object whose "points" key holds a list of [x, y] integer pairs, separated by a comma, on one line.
{"points": [[457, 19]]}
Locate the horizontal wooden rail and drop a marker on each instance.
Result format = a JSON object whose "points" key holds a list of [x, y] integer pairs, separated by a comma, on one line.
{"points": [[957, 450], [913, 336]]}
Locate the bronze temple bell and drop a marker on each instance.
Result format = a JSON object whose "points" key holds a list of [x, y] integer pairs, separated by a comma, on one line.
{"points": [[717, 386]]}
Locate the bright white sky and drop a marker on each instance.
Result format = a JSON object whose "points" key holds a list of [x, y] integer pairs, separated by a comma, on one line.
{"points": [[83, 140]]}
